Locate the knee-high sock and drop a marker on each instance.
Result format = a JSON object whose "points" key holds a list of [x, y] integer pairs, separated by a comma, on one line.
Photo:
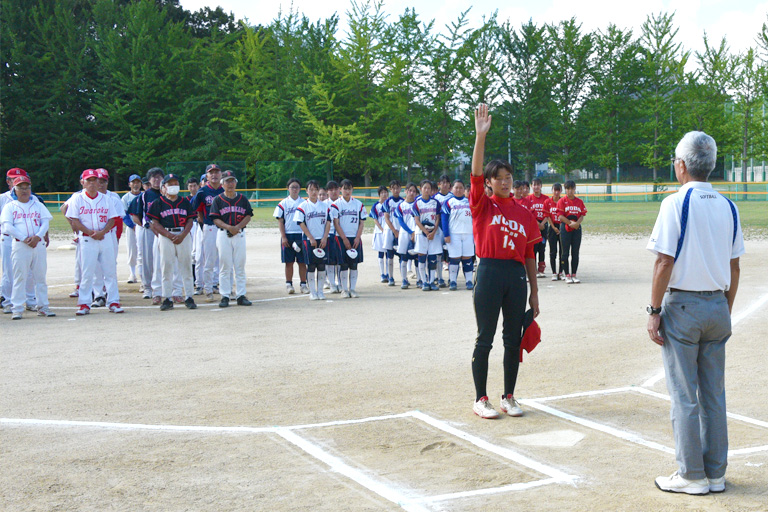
{"points": [[423, 269], [453, 270], [344, 278], [391, 264], [312, 283], [382, 264], [352, 279], [320, 280], [432, 267], [469, 270], [404, 269], [439, 267]]}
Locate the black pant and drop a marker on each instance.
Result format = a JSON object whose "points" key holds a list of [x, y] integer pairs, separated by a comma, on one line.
{"points": [[540, 248], [571, 243], [500, 286], [555, 251]]}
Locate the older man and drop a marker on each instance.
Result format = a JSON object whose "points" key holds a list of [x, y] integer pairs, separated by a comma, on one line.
{"points": [[697, 240]]}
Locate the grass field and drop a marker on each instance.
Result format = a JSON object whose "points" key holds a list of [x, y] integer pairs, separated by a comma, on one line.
{"points": [[633, 220]]}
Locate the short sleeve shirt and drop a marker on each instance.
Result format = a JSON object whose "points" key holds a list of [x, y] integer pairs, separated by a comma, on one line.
{"points": [[93, 213], [350, 214], [286, 210], [26, 218], [231, 210], [171, 214], [314, 215]]}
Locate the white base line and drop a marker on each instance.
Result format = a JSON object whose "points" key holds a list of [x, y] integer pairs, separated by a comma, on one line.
{"points": [[486, 492], [535, 403], [734, 321]]}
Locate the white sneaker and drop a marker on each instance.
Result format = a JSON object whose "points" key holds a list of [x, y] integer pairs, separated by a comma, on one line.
{"points": [[75, 293], [16, 316], [115, 308], [304, 289], [320, 295], [313, 296], [344, 294], [511, 406], [326, 286], [289, 288], [555, 277], [7, 309], [335, 289], [44, 311], [484, 409], [541, 274], [676, 483], [716, 484], [354, 294], [574, 280], [84, 310], [568, 279]]}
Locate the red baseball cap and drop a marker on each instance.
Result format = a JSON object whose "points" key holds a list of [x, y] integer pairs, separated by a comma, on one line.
{"points": [[89, 173], [102, 173], [16, 172], [21, 179]]}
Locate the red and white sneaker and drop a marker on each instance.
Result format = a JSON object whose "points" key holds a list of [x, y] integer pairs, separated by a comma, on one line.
{"points": [[484, 409], [511, 406], [84, 310], [75, 293], [115, 308], [574, 279], [568, 279]]}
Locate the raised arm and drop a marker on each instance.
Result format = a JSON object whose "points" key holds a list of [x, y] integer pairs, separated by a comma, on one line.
{"points": [[482, 126]]}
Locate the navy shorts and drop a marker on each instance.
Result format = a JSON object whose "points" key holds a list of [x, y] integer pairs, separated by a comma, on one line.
{"points": [[333, 250], [346, 259], [309, 255], [287, 254]]}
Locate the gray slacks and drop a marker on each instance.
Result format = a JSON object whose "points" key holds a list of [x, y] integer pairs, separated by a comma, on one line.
{"points": [[695, 327]]}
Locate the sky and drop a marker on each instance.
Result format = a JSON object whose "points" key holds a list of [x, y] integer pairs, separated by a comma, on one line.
{"points": [[738, 20]]}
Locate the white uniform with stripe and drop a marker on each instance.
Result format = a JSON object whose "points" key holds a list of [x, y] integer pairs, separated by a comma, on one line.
{"points": [[20, 221], [428, 211], [459, 227]]}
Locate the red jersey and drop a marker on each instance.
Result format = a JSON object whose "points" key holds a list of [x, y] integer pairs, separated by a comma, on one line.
{"points": [[571, 209], [538, 206], [550, 207], [522, 201], [503, 229]]}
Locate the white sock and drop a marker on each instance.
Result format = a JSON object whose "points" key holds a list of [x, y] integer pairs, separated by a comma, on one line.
{"points": [[439, 267], [320, 280], [382, 266], [432, 276], [469, 275], [404, 269], [453, 272], [352, 279], [311, 283], [423, 272], [391, 268], [344, 278], [331, 275]]}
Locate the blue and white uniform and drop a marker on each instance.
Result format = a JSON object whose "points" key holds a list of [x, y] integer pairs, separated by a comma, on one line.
{"points": [[457, 224], [403, 215], [389, 209], [315, 217], [350, 214], [377, 213], [428, 211], [286, 210]]}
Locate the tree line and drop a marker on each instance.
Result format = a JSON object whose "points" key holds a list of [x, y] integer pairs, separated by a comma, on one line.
{"points": [[128, 85]]}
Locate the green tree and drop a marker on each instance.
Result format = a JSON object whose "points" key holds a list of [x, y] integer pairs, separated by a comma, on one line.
{"points": [[748, 105]]}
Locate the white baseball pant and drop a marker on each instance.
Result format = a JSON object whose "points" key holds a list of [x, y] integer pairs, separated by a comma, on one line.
{"points": [[231, 254], [176, 261], [29, 265], [92, 253], [130, 234], [211, 255], [6, 285]]}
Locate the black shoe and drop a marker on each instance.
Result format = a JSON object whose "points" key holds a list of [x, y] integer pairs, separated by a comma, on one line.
{"points": [[166, 305], [243, 301], [224, 302], [190, 303]]}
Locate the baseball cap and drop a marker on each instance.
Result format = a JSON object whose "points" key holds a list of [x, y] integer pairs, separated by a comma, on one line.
{"points": [[203, 177], [228, 175], [89, 173], [155, 170], [15, 173], [102, 173], [144, 180], [133, 177], [319, 252], [21, 179], [169, 177], [352, 253], [212, 167]]}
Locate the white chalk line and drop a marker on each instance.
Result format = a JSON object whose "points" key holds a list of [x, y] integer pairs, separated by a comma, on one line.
{"points": [[623, 434], [410, 503], [734, 321]]}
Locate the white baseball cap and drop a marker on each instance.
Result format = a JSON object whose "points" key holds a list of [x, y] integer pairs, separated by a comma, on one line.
{"points": [[319, 253], [296, 247], [352, 254]]}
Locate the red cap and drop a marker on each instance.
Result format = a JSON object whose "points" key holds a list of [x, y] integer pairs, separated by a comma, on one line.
{"points": [[531, 338], [15, 173], [102, 173], [89, 173], [21, 179]]}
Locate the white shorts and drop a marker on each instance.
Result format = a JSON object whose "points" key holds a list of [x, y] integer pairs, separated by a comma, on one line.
{"points": [[389, 239], [425, 246], [403, 242], [461, 246], [378, 242]]}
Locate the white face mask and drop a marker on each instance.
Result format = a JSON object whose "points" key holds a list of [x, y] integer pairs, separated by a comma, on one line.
{"points": [[172, 190]]}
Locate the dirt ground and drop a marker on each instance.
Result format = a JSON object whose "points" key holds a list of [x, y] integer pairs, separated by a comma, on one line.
{"points": [[286, 364]]}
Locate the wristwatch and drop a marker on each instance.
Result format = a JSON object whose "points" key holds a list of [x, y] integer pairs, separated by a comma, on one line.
{"points": [[652, 310]]}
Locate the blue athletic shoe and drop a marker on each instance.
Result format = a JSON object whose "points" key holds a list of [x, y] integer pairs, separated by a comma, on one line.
{"points": [[470, 285], [419, 284], [442, 283], [426, 287], [435, 287], [405, 285], [453, 287], [391, 281], [384, 278]]}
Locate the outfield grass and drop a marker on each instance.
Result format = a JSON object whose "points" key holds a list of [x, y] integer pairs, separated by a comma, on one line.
{"points": [[633, 220]]}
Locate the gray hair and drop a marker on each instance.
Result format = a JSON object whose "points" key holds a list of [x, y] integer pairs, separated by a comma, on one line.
{"points": [[699, 152]]}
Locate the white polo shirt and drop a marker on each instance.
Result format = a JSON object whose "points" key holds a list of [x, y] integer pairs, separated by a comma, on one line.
{"points": [[704, 262]]}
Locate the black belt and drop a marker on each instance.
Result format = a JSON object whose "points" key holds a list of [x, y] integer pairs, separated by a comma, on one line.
{"points": [[241, 229], [703, 292], [174, 230]]}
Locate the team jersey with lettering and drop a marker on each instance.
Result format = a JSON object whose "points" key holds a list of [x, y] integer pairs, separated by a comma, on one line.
{"points": [[350, 214], [23, 220], [93, 213], [231, 211], [140, 205], [537, 206], [390, 205], [203, 200], [404, 216], [571, 209], [377, 213], [551, 209], [427, 210], [503, 229], [127, 200], [171, 214], [314, 215], [522, 202], [332, 231], [286, 210], [9, 195], [442, 198], [456, 216]]}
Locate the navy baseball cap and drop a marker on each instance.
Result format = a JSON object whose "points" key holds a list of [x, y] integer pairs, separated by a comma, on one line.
{"points": [[169, 177], [203, 177], [144, 180], [228, 175], [212, 167], [134, 177]]}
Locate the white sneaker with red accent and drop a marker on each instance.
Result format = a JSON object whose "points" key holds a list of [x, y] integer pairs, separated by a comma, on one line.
{"points": [[568, 279], [510, 406], [84, 310], [115, 308], [484, 409], [75, 293], [573, 278]]}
